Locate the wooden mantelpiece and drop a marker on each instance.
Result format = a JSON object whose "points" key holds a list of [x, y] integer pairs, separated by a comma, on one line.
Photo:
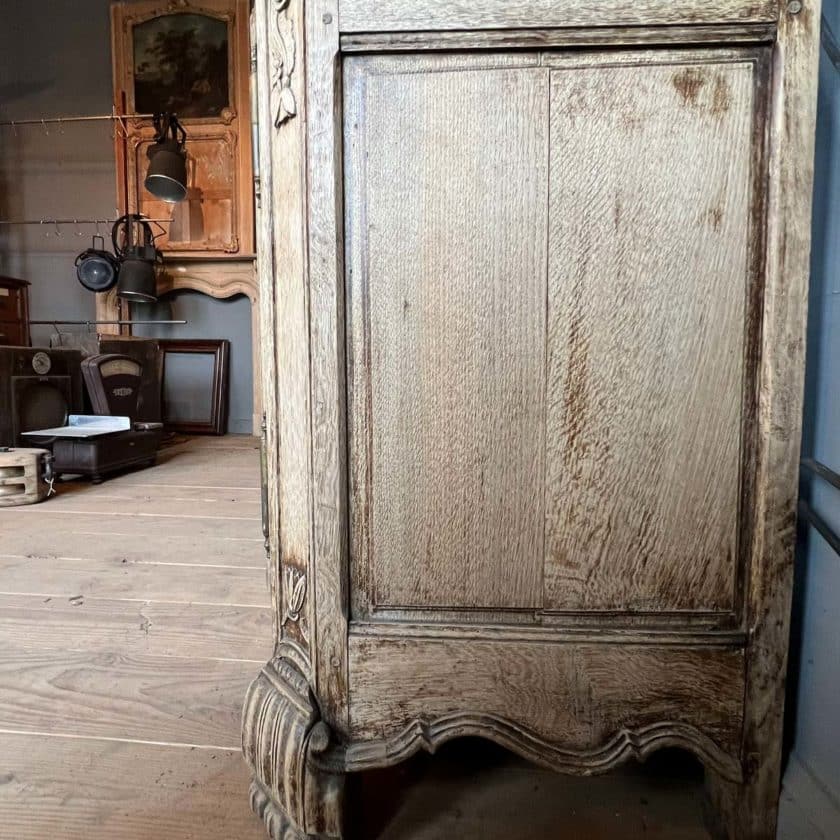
{"points": [[221, 278], [534, 286]]}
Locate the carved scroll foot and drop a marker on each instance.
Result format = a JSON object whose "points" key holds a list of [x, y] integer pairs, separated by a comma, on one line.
{"points": [[281, 735], [746, 811]]}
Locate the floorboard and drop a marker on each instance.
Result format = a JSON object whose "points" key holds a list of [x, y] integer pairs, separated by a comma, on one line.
{"points": [[36, 623], [78, 789], [115, 695], [167, 582], [134, 614], [118, 545]]}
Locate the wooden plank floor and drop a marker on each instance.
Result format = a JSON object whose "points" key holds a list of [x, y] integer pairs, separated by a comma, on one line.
{"points": [[133, 614], [132, 617]]}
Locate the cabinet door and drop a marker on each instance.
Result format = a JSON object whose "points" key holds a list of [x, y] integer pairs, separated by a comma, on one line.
{"points": [[552, 292]]}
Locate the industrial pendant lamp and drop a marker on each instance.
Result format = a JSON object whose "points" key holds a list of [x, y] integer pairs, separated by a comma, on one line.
{"points": [[166, 177], [137, 279]]}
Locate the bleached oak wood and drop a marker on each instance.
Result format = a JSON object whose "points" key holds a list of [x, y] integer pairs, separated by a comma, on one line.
{"points": [[398, 681], [27, 540], [645, 341], [648, 282], [172, 792], [396, 15], [201, 631], [446, 437], [202, 523], [542, 38], [113, 695], [750, 810], [71, 577], [326, 345]]}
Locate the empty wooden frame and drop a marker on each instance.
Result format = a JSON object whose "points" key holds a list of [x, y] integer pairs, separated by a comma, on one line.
{"points": [[214, 393]]}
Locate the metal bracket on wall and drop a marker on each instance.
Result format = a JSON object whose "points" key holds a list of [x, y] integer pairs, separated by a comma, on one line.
{"points": [[829, 43], [809, 514]]}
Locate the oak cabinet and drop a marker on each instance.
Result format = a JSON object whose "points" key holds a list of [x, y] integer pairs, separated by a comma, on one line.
{"points": [[537, 281]]}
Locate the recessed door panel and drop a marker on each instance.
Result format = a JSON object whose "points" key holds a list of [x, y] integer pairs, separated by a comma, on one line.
{"points": [[648, 281], [553, 297], [447, 177]]}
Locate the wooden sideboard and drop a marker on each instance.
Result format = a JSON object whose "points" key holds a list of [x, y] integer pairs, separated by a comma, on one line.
{"points": [[14, 312], [534, 282]]}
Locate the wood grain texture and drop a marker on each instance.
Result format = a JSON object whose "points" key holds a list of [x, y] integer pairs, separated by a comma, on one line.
{"points": [[750, 810], [202, 631], [202, 525], [572, 696], [284, 277], [78, 789], [71, 577], [326, 346], [128, 545], [114, 695], [397, 15], [448, 330], [606, 36], [648, 284]]}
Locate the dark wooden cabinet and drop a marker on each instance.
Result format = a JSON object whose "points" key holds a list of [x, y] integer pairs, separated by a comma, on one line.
{"points": [[14, 312]]}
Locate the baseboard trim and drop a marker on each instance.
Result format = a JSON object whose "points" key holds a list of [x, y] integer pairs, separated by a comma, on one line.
{"points": [[814, 799]]}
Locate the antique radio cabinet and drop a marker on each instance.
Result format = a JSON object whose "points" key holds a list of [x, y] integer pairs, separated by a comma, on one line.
{"points": [[535, 280]]}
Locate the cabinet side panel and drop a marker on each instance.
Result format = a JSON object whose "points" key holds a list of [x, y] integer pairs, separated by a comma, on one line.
{"points": [[649, 278], [446, 174]]}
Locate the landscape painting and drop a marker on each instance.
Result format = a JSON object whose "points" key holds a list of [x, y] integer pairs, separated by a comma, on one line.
{"points": [[181, 66]]}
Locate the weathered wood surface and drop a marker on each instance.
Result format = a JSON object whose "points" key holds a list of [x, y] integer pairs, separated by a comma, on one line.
{"points": [[750, 810], [202, 523], [137, 581], [647, 286], [701, 468], [128, 545], [600, 36], [322, 167], [81, 789], [131, 628], [569, 696], [448, 437], [114, 695], [201, 631], [431, 15]]}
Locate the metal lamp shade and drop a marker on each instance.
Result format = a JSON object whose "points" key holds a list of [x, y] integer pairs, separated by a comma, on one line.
{"points": [[137, 280], [166, 177], [96, 274], [97, 269]]}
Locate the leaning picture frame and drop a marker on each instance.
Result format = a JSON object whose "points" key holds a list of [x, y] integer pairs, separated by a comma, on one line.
{"points": [[195, 385]]}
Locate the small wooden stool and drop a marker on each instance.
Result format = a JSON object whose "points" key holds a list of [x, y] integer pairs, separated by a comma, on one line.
{"points": [[25, 476]]}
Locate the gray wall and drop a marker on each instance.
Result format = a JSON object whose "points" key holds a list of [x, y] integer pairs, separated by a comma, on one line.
{"points": [[815, 652], [55, 59]]}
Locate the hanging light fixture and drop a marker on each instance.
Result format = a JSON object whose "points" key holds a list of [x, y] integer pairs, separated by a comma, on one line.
{"points": [[137, 280], [96, 268], [166, 177]]}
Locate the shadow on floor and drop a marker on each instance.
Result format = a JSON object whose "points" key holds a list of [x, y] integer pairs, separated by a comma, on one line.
{"points": [[473, 790]]}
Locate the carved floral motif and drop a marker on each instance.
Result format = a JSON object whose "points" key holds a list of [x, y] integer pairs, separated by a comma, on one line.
{"points": [[284, 64], [294, 591]]}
